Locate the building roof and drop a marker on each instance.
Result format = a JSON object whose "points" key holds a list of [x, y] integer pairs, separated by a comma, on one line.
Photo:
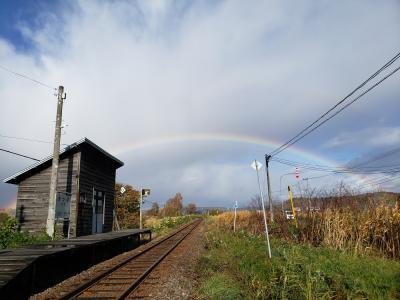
{"points": [[16, 178]]}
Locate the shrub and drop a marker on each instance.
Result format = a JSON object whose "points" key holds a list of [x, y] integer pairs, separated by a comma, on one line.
{"points": [[164, 224], [10, 237]]}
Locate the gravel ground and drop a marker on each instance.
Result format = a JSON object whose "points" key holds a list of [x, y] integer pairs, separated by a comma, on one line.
{"points": [[174, 278]]}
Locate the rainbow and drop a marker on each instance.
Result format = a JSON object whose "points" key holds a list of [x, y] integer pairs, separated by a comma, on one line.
{"points": [[235, 138], [220, 137]]}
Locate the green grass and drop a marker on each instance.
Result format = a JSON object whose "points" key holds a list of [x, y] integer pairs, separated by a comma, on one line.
{"points": [[237, 266], [220, 286]]}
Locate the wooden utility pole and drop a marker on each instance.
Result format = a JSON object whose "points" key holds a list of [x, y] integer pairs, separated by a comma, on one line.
{"points": [[140, 210], [271, 212], [54, 169]]}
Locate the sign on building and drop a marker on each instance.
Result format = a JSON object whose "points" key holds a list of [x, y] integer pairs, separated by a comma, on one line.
{"points": [[63, 206]]}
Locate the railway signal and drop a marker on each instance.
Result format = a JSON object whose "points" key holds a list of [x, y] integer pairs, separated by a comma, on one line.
{"points": [[143, 193]]}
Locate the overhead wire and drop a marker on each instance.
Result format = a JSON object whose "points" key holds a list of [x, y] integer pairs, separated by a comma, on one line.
{"points": [[310, 127], [394, 169], [340, 110], [380, 181], [18, 154], [29, 139], [357, 168], [27, 77], [25, 139]]}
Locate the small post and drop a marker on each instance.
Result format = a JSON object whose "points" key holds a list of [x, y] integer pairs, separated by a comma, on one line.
{"points": [[54, 169], [234, 219], [256, 165]]}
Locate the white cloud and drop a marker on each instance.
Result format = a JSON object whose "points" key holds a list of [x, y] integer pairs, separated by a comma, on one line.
{"points": [[140, 70]]}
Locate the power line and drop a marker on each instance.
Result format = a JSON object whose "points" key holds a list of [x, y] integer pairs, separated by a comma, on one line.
{"points": [[27, 77], [361, 167], [369, 170], [27, 139], [306, 130], [340, 110], [380, 181], [8, 151]]}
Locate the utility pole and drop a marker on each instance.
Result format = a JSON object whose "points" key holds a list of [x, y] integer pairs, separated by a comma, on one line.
{"points": [[267, 158], [256, 165], [54, 169]]}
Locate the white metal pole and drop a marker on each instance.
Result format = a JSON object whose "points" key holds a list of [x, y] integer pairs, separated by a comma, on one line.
{"points": [[234, 220], [263, 208]]}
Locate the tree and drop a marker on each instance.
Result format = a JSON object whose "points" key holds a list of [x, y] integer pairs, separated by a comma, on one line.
{"points": [[174, 206], [255, 203], [191, 209], [154, 210], [127, 206]]}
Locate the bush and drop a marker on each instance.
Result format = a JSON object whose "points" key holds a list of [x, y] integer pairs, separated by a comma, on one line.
{"points": [[164, 224], [10, 237]]}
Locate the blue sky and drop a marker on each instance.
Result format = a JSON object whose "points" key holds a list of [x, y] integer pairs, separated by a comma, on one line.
{"points": [[14, 14], [152, 70]]}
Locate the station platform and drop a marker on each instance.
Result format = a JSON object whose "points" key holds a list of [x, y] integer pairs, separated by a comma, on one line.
{"points": [[31, 269]]}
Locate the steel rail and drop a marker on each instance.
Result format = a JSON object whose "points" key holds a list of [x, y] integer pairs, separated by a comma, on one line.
{"points": [[140, 279], [92, 282]]}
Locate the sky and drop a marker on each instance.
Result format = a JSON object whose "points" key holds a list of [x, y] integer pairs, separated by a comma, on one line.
{"points": [[188, 93]]}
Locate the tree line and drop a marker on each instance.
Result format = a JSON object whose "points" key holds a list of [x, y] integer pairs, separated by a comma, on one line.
{"points": [[127, 207]]}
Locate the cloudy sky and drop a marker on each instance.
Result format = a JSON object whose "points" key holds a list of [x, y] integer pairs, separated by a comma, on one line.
{"points": [[188, 93]]}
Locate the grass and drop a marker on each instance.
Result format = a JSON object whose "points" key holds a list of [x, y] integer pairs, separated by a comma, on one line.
{"points": [[164, 225], [236, 266], [374, 229]]}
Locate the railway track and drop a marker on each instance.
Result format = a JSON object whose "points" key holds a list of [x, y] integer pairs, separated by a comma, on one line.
{"points": [[122, 279]]}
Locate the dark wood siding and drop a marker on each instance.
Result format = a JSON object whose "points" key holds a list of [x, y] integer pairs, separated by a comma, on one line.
{"points": [[97, 171], [33, 194]]}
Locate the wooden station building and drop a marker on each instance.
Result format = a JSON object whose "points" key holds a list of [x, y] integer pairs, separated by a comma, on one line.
{"points": [[85, 191]]}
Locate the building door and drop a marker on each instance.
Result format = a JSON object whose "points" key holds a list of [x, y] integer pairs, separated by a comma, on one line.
{"points": [[98, 211]]}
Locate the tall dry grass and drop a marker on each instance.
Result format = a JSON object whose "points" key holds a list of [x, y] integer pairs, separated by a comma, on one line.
{"points": [[373, 230], [251, 221]]}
